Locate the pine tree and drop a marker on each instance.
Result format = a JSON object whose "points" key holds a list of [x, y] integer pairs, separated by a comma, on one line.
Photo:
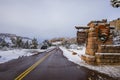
{"points": [[46, 42], [19, 42], [3, 43], [13, 40], [26, 45], [34, 44]]}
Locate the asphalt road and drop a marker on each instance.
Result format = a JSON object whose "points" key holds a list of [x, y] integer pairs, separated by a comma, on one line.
{"points": [[47, 66]]}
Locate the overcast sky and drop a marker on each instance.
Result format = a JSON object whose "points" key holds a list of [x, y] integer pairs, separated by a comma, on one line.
{"points": [[45, 19]]}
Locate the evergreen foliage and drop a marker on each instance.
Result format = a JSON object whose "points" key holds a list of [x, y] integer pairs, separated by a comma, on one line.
{"points": [[34, 44]]}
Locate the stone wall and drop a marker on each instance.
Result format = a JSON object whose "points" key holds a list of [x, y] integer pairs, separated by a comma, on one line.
{"points": [[89, 59], [107, 58], [108, 49], [99, 46], [91, 45], [81, 37]]}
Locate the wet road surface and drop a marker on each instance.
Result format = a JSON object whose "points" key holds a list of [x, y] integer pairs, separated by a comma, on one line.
{"points": [[47, 66]]}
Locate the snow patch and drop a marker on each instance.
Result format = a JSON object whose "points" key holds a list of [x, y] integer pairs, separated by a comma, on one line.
{"points": [[57, 43], [8, 55], [111, 70], [108, 53]]}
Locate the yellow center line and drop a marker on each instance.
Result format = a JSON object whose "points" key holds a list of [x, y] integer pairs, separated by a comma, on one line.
{"points": [[26, 72]]}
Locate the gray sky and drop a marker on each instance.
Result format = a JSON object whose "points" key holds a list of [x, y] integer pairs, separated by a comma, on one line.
{"points": [[45, 19]]}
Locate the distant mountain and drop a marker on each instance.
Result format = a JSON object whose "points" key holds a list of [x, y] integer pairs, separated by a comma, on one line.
{"points": [[8, 36], [5, 35]]}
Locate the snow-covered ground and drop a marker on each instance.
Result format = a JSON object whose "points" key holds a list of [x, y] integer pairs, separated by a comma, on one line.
{"points": [[7, 54], [113, 71], [116, 40], [57, 43]]}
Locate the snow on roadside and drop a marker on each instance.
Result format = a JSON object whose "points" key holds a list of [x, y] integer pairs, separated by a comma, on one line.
{"points": [[113, 71], [11, 54], [8, 55]]}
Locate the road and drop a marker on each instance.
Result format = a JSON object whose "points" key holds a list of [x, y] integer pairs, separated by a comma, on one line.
{"points": [[47, 66]]}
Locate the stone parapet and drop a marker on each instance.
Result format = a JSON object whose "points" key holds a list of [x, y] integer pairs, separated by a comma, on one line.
{"points": [[109, 49], [102, 59], [107, 58], [90, 52], [88, 59]]}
